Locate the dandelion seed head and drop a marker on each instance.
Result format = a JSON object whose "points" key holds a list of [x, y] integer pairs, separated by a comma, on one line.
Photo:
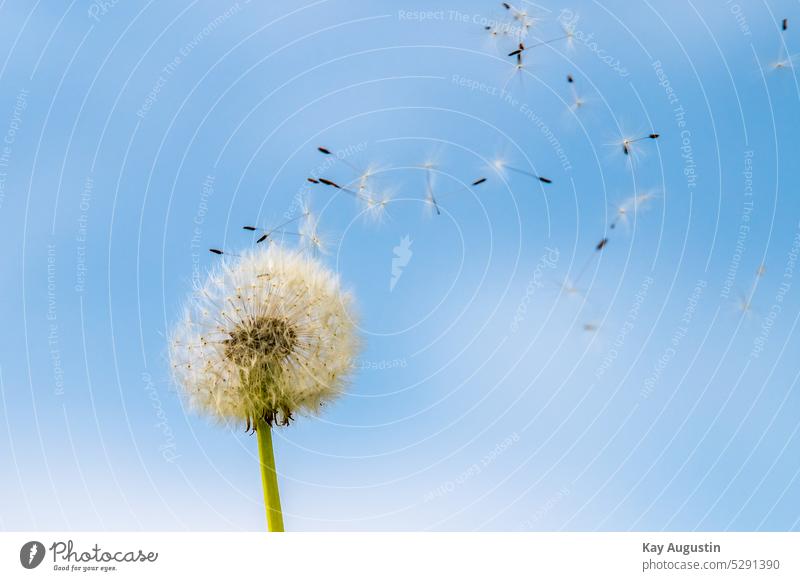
{"points": [[267, 336]]}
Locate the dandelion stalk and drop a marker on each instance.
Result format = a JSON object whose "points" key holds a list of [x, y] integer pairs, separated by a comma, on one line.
{"points": [[269, 477]]}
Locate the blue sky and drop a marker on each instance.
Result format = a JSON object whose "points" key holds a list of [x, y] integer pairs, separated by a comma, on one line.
{"points": [[138, 135]]}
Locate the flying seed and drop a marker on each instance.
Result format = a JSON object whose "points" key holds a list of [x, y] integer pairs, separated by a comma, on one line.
{"points": [[330, 183]]}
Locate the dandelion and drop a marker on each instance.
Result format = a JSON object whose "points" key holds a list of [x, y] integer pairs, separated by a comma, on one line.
{"points": [[744, 305], [375, 206], [784, 63], [501, 166], [785, 60], [495, 32], [597, 249], [577, 101], [522, 17], [627, 142], [570, 289], [365, 177], [326, 151], [309, 235], [430, 198], [745, 302], [268, 336], [345, 189], [624, 210], [568, 36], [267, 233]]}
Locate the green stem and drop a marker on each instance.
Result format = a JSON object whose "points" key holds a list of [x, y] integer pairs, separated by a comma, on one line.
{"points": [[269, 477]]}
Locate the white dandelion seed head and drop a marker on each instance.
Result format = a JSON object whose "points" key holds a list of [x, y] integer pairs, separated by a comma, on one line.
{"points": [[268, 335]]}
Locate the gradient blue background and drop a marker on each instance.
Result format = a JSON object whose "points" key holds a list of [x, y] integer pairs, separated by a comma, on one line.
{"points": [[472, 422]]}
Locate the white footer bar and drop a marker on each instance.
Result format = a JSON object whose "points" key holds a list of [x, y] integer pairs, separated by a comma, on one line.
{"points": [[354, 556]]}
